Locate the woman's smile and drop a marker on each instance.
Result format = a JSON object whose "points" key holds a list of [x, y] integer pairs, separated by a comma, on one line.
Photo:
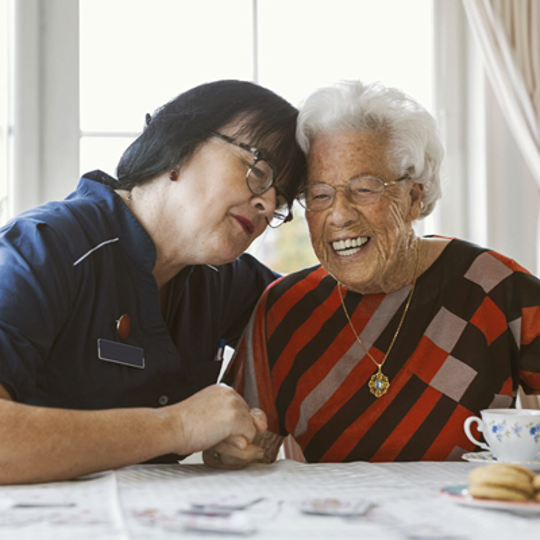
{"points": [[349, 246]]}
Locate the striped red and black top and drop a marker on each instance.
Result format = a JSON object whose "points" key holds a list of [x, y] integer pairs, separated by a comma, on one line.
{"points": [[471, 336]]}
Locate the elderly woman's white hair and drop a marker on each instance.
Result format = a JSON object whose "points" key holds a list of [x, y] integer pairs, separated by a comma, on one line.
{"points": [[414, 142]]}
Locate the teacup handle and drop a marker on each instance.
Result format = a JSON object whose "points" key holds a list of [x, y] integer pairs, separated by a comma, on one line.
{"points": [[467, 428]]}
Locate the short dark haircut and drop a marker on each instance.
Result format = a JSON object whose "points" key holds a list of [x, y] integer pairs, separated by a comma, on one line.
{"points": [[177, 129]]}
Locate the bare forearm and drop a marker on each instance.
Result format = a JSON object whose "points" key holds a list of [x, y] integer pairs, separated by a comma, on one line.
{"points": [[41, 444]]}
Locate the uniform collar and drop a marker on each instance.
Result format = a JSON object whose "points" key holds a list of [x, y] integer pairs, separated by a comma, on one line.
{"points": [[134, 239]]}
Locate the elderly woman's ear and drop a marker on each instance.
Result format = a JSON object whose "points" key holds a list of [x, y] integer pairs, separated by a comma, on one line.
{"points": [[415, 193]]}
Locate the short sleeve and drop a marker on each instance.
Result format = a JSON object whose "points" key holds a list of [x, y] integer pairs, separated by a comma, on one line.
{"points": [[34, 300]]}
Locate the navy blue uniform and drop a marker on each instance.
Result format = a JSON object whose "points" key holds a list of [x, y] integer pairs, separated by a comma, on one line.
{"points": [[69, 270]]}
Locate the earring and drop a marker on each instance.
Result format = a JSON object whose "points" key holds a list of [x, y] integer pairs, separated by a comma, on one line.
{"points": [[173, 175]]}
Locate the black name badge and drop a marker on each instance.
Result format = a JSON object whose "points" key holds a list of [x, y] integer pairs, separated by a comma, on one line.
{"points": [[120, 353]]}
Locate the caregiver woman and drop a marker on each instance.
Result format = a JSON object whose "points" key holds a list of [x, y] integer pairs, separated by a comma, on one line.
{"points": [[113, 301]]}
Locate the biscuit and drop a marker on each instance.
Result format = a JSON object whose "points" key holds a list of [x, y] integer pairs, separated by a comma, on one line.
{"points": [[484, 491], [505, 468], [504, 474], [502, 481], [536, 482]]}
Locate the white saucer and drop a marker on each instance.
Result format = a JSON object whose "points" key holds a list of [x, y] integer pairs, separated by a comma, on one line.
{"points": [[460, 495], [488, 457]]}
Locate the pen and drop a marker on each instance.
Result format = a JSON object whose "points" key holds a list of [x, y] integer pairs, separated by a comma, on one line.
{"points": [[220, 350]]}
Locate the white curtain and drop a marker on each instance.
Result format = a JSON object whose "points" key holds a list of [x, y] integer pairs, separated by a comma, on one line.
{"points": [[508, 32]]}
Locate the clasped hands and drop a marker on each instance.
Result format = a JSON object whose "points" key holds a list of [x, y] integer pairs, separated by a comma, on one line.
{"points": [[236, 452], [218, 421]]}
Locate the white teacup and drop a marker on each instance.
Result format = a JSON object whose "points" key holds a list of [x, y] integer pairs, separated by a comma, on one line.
{"points": [[512, 435]]}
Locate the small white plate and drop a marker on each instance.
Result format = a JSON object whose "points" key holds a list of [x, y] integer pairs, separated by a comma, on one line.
{"points": [[488, 457], [460, 495]]}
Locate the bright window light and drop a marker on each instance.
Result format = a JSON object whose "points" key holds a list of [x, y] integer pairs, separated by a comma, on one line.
{"points": [[138, 54], [4, 120]]}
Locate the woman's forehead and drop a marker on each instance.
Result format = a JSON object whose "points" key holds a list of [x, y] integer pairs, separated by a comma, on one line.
{"points": [[352, 152]]}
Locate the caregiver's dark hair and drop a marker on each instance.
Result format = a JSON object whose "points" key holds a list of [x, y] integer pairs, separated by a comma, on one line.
{"points": [[179, 127]]}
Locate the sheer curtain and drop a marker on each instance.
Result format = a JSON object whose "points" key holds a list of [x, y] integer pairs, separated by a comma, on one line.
{"points": [[509, 36], [508, 32]]}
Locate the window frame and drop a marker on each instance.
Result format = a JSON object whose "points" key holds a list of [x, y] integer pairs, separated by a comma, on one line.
{"points": [[44, 132], [44, 109]]}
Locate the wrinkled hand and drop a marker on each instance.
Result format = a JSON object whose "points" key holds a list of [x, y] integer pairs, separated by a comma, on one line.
{"points": [[215, 414], [236, 452]]}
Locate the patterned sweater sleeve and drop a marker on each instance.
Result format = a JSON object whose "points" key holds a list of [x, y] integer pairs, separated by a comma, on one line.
{"points": [[529, 368], [249, 370], [524, 322]]}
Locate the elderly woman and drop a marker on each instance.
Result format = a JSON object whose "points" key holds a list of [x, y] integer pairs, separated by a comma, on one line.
{"points": [[382, 351], [113, 301]]}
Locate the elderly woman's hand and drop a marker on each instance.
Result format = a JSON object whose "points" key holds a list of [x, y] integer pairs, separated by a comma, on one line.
{"points": [[214, 414], [236, 452]]}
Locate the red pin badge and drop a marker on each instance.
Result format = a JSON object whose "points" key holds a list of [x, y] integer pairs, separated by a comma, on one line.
{"points": [[123, 326]]}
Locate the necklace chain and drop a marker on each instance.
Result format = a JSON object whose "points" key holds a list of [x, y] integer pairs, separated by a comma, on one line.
{"points": [[378, 383]]}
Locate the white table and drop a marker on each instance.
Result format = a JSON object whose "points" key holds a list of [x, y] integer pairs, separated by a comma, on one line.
{"points": [[138, 503]]}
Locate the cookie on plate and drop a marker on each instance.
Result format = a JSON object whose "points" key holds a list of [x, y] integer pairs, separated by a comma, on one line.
{"points": [[536, 486], [502, 481]]}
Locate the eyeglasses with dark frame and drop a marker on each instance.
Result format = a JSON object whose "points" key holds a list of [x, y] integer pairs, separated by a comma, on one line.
{"points": [[363, 191], [260, 178]]}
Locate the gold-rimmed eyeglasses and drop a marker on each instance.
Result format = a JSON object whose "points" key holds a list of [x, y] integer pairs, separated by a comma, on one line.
{"points": [[362, 191]]}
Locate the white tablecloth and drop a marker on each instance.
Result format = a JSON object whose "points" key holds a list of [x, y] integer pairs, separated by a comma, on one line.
{"points": [[142, 503]]}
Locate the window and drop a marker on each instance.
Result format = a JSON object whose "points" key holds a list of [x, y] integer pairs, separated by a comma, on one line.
{"points": [[153, 50], [134, 56], [303, 45], [4, 121]]}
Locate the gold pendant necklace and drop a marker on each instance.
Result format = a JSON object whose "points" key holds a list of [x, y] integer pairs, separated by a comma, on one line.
{"points": [[379, 383]]}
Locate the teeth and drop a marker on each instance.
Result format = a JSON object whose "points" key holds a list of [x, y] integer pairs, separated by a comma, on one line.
{"points": [[348, 252], [350, 246]]}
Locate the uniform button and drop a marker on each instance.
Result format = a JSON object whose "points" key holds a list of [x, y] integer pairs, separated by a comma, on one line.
{"points": [[163, 400]]}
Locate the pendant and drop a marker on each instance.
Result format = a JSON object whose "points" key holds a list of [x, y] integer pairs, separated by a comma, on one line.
{"points": [[378, 384]]}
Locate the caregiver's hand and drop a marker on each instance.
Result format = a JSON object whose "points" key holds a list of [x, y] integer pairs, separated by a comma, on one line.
{"points": [[236, 452], [212, 415]]}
